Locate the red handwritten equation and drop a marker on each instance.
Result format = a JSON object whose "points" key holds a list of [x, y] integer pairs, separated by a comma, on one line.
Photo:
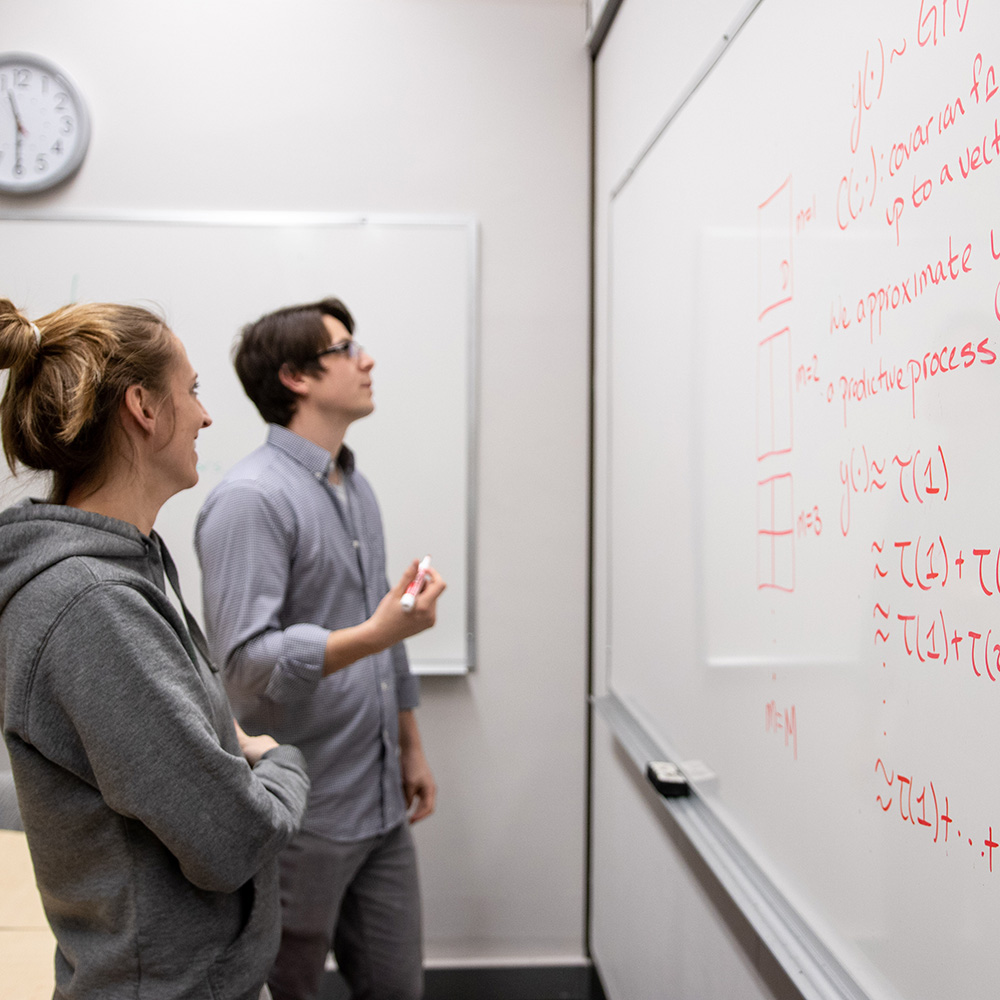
{"points": [[923, 565], [929, 645], [933, 25], [859, 187], [870, 84], [891, 342], [928, 814], [920, 477]]}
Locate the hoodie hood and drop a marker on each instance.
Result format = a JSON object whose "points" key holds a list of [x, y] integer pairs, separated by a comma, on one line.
{"points": [[34, 536]]}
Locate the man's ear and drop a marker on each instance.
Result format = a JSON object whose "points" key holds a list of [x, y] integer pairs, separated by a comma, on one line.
{"points": [[294, 380], [138, 403]]}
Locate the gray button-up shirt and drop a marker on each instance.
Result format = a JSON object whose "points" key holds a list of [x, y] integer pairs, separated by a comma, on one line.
{"points": [[284, 562]]}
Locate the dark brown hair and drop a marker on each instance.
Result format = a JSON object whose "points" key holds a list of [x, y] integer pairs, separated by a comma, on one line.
{"points": [[68, 373], [292, 336]]}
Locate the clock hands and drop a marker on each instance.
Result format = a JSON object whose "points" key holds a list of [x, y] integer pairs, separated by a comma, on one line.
{"points": [[17, 118], [19, 137]]}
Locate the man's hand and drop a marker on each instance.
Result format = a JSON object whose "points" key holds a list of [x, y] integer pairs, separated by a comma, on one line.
{"points": [[388, 625], [392, 622], [418, 782]]}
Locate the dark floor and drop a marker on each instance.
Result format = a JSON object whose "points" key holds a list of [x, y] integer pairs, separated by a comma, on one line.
{"points": [[542, 983]]}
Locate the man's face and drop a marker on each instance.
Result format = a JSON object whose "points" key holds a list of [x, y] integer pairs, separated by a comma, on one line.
{"points": [[343, 389]]}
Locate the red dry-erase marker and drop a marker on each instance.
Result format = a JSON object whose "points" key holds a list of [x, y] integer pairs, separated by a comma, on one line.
{"points": [[408, 598]]}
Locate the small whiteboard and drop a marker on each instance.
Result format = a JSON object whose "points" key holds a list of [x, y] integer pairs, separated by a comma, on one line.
{"points": [[411, 285]]}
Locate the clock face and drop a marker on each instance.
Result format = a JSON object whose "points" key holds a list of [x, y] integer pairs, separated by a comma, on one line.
{"points": [[44, 125]]}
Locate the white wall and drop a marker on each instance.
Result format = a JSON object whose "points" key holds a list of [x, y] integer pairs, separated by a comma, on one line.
{"points": [[476, 107], [661, 924]]}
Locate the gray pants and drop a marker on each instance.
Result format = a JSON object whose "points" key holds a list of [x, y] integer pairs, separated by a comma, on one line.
{"points": [[362, 900]]}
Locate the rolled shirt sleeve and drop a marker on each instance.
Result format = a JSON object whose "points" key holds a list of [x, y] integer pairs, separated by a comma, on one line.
{"points": [[285, 561], [244, 538]]}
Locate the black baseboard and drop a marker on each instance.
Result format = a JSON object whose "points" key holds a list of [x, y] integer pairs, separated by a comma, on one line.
{"points": [[546, 982]]}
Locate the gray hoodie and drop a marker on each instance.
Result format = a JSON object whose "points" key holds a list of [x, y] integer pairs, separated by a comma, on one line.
{"points": [[154, 843]]}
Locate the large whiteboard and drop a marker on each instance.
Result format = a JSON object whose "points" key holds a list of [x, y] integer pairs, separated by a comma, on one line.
{"points": [[411, 284], [802, 382]]}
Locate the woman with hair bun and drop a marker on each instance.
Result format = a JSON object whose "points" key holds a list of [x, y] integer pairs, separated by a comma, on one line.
{"points": [[154, 823]]}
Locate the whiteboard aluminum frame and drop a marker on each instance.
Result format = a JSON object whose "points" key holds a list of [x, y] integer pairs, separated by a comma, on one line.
{"points": [[739, 23], [601, 25], [237, 219]]}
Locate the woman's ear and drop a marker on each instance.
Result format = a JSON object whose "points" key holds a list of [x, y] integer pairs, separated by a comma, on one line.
{"points": [[140, 406]]}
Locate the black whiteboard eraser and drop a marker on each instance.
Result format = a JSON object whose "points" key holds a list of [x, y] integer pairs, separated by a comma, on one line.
{"points": [[667, 779]]}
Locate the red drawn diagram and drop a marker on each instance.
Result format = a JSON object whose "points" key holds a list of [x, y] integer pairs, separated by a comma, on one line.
{"points": [[775, 534], [774, 394], [775, 385], [774, 249]]}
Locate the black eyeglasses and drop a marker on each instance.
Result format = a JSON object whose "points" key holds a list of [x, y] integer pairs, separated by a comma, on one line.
{"points": [[349, 347]]}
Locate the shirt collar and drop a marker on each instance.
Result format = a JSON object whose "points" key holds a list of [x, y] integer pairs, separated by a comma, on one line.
{"points": [[308, 454]]}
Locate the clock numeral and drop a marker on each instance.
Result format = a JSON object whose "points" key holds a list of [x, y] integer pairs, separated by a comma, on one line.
{"points": [[57, 147], [67, 125], [41, 164], [22, 78], [61, 101], [18, 168]]}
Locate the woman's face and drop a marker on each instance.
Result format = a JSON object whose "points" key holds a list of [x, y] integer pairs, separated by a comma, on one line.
{"points": [[182, 416]]}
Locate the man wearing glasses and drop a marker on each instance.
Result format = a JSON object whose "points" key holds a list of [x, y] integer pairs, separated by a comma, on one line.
{"points": [[301, 619]]}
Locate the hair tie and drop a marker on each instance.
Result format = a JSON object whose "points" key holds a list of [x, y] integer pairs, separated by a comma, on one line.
{"points": [[36, 332]]}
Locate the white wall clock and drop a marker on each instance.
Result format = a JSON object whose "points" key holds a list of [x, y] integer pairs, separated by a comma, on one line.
{"points": [[44, 125]]}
